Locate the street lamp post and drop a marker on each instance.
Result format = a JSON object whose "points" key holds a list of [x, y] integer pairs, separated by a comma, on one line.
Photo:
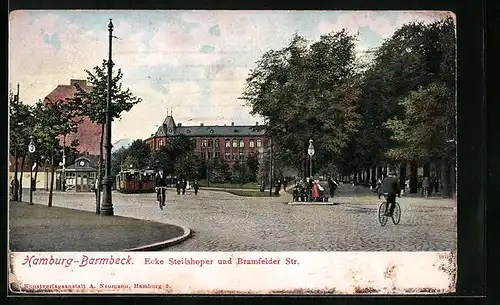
{"points": [[31, 149], [107, 203], [310, 151], [270, 168]]}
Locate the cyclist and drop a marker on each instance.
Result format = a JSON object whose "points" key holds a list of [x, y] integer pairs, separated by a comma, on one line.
{"points": [[160, 185], [390, 189]]}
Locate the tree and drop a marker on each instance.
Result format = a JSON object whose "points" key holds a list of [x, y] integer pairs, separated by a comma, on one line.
{"points": [[220, 171], [54, 119], [93, 104], [428, 125], [316, 85], [252, 166], [140, 151], [21, 120], [185, 166]]}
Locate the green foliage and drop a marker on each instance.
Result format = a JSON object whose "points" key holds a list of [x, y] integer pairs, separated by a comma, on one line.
{"points": [[176, 148], [93, 103], [140, 151], [306, 92], [186, 166], [427, 124], [219, 171]]}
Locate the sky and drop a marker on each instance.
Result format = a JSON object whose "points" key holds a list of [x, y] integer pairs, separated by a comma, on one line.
{"points": [[193, 63]]}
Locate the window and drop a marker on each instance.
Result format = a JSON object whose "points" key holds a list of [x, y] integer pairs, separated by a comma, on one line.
{"points": [[242, 155], [210, 143], [217, 143], [217, 155], [259, 143], [228, 143], [209, 155], [92, 175], [204, 143], [227, 156], [252, 143], [160, 143], [203, 155], [242, 143], [235, 156], [235, 143]]}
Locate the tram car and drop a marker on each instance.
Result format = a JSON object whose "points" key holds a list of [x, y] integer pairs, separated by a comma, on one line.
{"points": [[136, 181]]}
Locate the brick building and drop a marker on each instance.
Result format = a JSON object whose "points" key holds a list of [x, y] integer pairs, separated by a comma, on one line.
{"points": [[88, 134], [227, 143]]}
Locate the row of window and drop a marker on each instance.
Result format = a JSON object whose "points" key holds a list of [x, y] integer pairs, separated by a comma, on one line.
{"points": [[210, 143], [73, 175], [227, 156]]}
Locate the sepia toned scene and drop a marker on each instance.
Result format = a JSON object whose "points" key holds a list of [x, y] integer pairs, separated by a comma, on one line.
{"points": [[232, 131]]}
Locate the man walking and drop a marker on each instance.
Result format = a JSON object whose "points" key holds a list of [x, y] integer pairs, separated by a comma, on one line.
{"points": [[184, 186], [196, 186], [160, 185]]}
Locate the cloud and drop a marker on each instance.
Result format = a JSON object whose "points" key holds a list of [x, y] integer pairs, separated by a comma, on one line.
{"points": [[382, 23]]}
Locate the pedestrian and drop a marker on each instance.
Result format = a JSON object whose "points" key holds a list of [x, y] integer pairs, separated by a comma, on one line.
{"points": [[160, 186], [332, 187], [196, 186], [184, 185], [284, 184], [178, 186], [315, 191], [425, 187]]}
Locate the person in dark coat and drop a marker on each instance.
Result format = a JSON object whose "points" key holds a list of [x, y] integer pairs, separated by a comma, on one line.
{"points": [[332, 187], [284, 184], [184, 186], [178, 186], [160, 185], [390, 188], [196, 186]]}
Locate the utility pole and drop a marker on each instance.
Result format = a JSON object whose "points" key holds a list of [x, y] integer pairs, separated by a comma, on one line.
{"points": [[107, 203]]}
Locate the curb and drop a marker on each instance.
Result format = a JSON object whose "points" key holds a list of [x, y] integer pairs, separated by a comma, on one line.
{"points": [[164, 244], [311, 203]]}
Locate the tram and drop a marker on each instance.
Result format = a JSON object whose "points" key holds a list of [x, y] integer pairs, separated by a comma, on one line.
{"points": [[135, 181]]}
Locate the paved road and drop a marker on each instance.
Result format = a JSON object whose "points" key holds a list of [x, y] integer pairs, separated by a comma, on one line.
{"points": [[225, 222]]}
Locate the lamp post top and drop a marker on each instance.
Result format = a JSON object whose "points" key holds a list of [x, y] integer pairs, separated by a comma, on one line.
{"points": [[110, 25], [310, 150]]}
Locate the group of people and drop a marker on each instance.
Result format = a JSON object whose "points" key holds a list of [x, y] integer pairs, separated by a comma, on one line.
{"points": [[181, 186], [312, 191]]}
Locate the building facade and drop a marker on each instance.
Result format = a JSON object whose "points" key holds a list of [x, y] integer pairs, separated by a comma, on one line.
{"points": [[80, 176], [228, 143], [88, 134]]}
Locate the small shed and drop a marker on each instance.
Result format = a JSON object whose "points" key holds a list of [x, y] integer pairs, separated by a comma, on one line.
{"points": [[80, 176]]}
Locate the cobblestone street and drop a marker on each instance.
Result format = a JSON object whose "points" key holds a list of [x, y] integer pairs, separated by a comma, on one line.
{"points": [[224, 222]]}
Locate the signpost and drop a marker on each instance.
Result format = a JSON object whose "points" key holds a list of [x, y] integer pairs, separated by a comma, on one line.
{"points": [[31, 149]]}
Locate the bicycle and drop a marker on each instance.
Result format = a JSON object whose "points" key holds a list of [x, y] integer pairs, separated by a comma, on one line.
{"points": [[161, 199], [382, 215]]}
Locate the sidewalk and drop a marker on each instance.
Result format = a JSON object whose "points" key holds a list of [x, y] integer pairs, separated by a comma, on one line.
{"points": [[40, 228]]}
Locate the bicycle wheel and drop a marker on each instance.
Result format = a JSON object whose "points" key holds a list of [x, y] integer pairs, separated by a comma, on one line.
{"points": [[396, 216], [381, 214]]}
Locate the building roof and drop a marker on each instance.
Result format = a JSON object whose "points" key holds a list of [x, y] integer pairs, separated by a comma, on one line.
{"points": [[168, 128]]}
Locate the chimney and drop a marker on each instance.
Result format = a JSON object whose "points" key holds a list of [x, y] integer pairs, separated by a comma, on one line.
{"points": [[179, 124], [232, 123], [201, 124], [79, 82]]}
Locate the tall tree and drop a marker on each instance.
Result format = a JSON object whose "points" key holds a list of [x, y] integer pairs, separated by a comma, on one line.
{"points": [[54, 120], [307, 92], [93, 105]]}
